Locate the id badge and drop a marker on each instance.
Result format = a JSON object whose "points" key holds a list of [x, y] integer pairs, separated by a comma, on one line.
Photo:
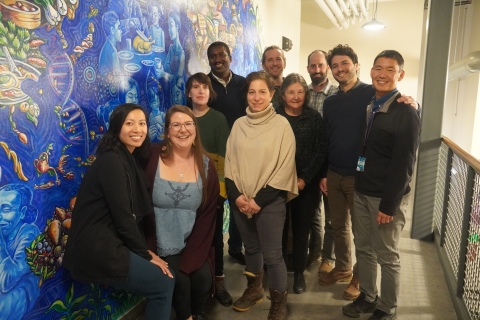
{"points": [[361, 164]]}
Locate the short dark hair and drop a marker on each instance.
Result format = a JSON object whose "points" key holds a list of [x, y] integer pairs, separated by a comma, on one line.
{"points": [[201, 78], [316, 51], [26, 197], [392, 54], [219, 44], [341, 50], [259, 75], [111, 140], [109, 19], [296, 78], [272, 48], [130, 83]]}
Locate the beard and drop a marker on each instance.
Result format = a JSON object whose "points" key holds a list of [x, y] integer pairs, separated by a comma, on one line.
{"points": [[317, 80]]}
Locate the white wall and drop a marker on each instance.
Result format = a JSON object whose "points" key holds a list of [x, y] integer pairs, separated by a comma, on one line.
{"points": [[404, 20], [282, 20], [461, 114]]}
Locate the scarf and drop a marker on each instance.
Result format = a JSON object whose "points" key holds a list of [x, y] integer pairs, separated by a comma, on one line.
{"points": [[261, 152]]}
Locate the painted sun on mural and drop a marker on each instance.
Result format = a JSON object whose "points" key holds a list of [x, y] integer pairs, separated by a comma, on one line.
{"points": [[65, 65]]}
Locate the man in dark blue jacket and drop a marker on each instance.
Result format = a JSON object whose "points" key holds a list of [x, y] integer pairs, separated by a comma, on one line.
{"points": [[384, 171]]}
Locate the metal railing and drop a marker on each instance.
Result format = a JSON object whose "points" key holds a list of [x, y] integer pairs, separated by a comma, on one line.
{"points": [[457, 226]]}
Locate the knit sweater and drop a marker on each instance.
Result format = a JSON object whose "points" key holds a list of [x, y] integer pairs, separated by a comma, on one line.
{"points": [[344, 123], [231, 100], [310, 144], [261, 152]]}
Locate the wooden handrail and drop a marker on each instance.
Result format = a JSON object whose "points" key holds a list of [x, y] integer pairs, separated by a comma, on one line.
{"points": [[467, 157]]}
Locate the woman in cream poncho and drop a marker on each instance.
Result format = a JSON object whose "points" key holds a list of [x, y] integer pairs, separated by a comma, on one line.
{"points": [[261, 177]]}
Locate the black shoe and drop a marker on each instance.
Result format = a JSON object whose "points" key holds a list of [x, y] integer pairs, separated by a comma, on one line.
{"points": [[201, 316], [221, 294], [381, 315], [359, 306], [238, 256], [298, 282]]}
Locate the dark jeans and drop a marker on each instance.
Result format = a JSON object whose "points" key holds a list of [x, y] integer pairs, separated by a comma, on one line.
{"points": [[234, 240], [148, 280], [218, 242], [191, 290], [302, 209], [262, 236]]}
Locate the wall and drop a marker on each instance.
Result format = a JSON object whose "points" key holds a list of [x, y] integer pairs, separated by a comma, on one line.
{"points": [[403, 33], [282, 20], [64, 66], [461, 114]]}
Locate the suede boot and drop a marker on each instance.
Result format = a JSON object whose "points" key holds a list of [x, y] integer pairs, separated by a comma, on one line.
{"points": [[253, 294], [278, 307]]}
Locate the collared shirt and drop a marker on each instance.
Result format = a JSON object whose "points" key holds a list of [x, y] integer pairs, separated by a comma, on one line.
{"points": [[317, 98], [222, 81]]}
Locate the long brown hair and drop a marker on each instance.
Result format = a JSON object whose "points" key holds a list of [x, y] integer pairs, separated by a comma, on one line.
{"points": [[166, 152]]}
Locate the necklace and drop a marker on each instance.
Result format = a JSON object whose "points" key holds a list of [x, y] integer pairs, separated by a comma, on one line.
{"points": [[184, 170]]}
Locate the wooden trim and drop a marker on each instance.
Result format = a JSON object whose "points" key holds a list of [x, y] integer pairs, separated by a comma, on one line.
{"points": [[468, 158]]}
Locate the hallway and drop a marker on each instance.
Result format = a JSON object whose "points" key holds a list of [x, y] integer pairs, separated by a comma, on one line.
{"points": [[423, 292]]}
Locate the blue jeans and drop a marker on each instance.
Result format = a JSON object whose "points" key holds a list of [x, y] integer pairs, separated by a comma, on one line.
{"points": [[148, 280]]}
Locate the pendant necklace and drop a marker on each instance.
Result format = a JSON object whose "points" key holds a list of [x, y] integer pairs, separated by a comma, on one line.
{"points": [[182, 173]]}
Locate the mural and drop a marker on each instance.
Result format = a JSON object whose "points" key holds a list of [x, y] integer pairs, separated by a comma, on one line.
{"points": [[64, 66]]}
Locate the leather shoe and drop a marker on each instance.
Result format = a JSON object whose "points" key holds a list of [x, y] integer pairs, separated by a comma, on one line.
{"points": [[238, 256], [298, 282], [335, 276]]}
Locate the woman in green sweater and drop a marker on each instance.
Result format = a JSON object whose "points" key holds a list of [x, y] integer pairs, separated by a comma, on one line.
{"points": [[214, 132]]}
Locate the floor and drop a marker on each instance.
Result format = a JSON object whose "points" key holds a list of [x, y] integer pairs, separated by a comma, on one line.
{"points": [[423, 291]]}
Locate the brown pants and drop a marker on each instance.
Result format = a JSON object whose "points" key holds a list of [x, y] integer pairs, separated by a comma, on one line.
{"points": [[340, 201]]}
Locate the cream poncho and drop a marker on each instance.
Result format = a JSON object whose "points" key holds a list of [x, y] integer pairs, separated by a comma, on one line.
{"points": [[261, 152]]}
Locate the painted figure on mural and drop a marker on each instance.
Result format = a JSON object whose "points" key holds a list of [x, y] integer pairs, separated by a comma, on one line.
{"points": [[178, 91], [175, 62], [130, 15], [18, 285], [155, 31], [108, 61], [128, 93], [238, 64], [157, 116]]}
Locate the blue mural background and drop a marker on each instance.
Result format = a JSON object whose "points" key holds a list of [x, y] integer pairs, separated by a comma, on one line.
{"points": [[64, 66]]}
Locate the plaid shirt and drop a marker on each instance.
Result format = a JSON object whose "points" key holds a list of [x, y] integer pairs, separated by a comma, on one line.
{"points": [[317, 98]]}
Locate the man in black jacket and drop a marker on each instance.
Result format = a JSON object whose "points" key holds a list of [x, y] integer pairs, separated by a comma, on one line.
{"points": [[384, 171], [230, 101]]}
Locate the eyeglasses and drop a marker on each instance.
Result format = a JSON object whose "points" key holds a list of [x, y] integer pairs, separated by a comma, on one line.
{"points": [[189, 125]]}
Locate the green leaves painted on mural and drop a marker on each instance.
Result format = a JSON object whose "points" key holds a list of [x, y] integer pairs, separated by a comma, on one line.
{"points": [[66, 308]]}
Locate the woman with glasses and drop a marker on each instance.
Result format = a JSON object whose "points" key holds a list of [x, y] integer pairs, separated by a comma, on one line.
{"points": [[260, 176], [184, 187]]}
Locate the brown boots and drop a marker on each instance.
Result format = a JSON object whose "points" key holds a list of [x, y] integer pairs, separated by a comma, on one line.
{"points": [[278, 308], [253, 294]]}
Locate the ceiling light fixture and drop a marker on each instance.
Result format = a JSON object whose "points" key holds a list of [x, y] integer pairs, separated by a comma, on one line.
{"points": [[374, 24]]}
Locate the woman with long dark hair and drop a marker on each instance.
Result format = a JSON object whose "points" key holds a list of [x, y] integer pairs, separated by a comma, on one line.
{"points": [[105, 242]]}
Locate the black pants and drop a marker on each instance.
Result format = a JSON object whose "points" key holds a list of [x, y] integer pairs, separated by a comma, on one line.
{"points": [[302, 210], [191, 290], [148, 280]]}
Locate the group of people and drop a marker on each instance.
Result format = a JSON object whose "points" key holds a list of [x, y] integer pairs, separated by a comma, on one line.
{"points": [[148, 219]]}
